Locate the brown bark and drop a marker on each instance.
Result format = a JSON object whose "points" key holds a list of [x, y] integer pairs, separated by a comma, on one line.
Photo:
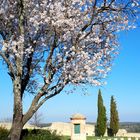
{"points": [[15, 132], [17, 124]]}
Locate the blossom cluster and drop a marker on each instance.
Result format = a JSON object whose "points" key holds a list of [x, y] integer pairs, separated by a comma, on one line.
{"points": [[74, 40]]}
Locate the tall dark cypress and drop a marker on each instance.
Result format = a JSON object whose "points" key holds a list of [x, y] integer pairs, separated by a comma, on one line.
{"points": [[101, 119], [114, 117]]}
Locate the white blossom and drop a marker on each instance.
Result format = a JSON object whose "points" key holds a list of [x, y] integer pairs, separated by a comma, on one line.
{"points": [[71, 39]]}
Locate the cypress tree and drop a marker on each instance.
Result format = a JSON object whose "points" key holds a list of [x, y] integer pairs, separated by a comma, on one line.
{"points": [[101, 119], [114, 117]]}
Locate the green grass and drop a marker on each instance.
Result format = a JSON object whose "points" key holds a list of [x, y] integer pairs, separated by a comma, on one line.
{"points": [[95, 138], [112, 138], [68, 138], [65, 138]]}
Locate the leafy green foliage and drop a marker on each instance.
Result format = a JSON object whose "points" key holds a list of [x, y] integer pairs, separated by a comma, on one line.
{"points": [[101, 119], [3, 133], [114, 117], [38, 134], [109, 132], [35, 134]]}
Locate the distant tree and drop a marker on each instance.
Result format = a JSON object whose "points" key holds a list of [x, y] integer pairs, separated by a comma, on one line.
{"points": [[114, 117], [7, 120], [36, 120], [101, 119]]}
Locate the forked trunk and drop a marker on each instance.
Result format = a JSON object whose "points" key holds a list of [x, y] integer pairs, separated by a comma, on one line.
{"points": [[19, 120]]}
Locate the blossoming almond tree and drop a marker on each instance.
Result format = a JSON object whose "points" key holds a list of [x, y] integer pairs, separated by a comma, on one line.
{"points": [[47, 44]]}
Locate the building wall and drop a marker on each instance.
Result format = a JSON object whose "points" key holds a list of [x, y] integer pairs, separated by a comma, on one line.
{"points": [[90, 130], [61, 128], [82, 134], [65, 129]]}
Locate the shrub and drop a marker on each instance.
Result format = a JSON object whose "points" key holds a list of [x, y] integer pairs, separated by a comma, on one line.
{"points": [[109, 132], [3, 133], [24, 133], [38, 134]]}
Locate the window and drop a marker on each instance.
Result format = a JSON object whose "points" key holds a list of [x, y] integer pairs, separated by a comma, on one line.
{"points": [[77, 128]]}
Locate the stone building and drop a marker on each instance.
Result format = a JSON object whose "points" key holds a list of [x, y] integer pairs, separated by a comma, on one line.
{"points": [[78, 127], [66, 129]]}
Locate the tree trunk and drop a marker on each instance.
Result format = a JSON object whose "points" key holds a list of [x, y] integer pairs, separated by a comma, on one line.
{"points": [[15, 132], [17, 123]]}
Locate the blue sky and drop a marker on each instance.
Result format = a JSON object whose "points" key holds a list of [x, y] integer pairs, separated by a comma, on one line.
{"points": [[123, 82]]}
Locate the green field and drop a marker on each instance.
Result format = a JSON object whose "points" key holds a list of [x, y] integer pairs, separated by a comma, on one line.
{"points": [[112, 138], [95, 138]]}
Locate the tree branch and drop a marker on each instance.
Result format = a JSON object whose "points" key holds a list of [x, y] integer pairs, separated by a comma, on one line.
{"points": [[9, 64], [48, 63], [35, 105]]}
